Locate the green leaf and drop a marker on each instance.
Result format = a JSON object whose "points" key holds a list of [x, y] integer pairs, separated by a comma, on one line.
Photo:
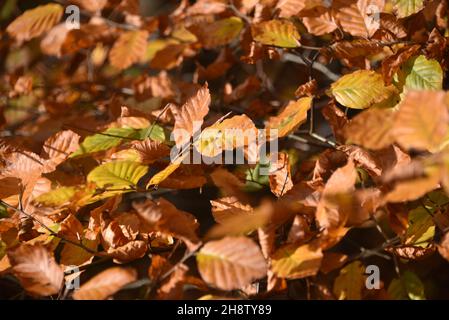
{"points": [[3, 212], [421, 227], [419, 73], [119, 175], [361, 89], [110, 138], [3, 248], [256, 181], [113, 137], [154, 132], [57, 196], [408, 286], [280, 33]]}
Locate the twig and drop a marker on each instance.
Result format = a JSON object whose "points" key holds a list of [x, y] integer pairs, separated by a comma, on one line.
{"points": [[54, 234], [287, 56]]}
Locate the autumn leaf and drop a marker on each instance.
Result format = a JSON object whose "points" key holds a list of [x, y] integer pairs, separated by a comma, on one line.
{"points": [[34, 22], [230, 134], [295, 262], [280, 177], [371, 129], [219, 32], [36, 269], [128, 49], [421, 121], [120, 175], [405, 8], [361, 89], [280, 33], [231, 263], [358, 17], [420, 73], [189, 118], [349, 283], [105, 284], [291, 117]]}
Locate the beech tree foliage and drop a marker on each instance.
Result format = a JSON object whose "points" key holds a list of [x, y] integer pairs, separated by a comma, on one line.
{"points": [[99, 120]]}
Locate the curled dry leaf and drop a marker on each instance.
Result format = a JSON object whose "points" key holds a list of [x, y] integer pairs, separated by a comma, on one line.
{"points": [[231, 263], [228, 207], [105, 284], [412, 252], [280, 176]]}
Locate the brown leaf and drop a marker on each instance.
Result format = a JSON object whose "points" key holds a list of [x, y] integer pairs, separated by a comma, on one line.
{"points": [[128, 49], [357, 16], [331, 214], [309, 89], [411, 252], [371, 129], [319, 21], [36, 269], [336, 118], [128, 252], [105, 284], [34, 22], [189, 119], [291, 117], [58, 147], [163, 216], [280, 176], [443, 246], [149, 151], [231, 263], [228, 207], [392, 64], [422, 120], [332, 261]]}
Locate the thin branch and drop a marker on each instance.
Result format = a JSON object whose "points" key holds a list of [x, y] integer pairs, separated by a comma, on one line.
{"points": [[287, 56], [43, 225]]}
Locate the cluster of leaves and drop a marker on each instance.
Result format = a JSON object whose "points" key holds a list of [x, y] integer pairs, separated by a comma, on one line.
{"points": [[362, 177]]}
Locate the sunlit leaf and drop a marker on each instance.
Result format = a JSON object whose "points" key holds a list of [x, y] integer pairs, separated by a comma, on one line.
{"points": [[361, 89], [280, 33], [231, 263]]}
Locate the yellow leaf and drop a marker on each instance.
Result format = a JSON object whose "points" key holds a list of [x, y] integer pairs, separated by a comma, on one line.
{"points": [[361, 89], [293, 262], [236, 132], [279, 33], [405, 8], [291, 117], [119, 175], [219, 32], [349, 283]]}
